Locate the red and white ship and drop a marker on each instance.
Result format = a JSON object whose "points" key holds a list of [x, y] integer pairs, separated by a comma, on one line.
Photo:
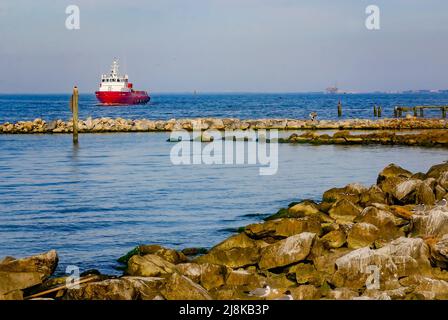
{"points": [[117, 90]]}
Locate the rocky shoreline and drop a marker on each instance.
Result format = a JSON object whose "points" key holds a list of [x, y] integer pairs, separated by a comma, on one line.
{"points": [[426, 138], [99, 125], [386, 241]]}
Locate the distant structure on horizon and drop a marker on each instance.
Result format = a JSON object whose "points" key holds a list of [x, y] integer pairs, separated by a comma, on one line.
{"points": [[332, 90]]}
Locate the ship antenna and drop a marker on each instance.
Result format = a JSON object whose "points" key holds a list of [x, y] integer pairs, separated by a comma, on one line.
{"points": [[115, 67]]}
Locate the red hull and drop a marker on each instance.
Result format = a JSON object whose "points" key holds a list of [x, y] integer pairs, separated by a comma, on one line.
{"points": [[122, 98]]}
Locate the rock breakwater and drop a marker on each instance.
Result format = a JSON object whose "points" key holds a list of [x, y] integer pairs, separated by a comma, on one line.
{"points": [[99, 125], [426, 138], [384, 241]]}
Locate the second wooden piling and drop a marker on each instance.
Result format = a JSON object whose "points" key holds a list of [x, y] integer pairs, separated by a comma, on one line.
{"points": [[74, 108]]}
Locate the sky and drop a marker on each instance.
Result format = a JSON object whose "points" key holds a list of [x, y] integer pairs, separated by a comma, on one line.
{"points": [[224, 45]]}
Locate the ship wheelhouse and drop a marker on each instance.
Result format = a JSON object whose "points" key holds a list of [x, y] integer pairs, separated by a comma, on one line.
{"points": [[114, 81]]}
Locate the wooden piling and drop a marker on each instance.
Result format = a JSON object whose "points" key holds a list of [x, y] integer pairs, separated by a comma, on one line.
{"points": [[74, 108], [443, 112], [379, 111], [339, 109], [395, 112], [415, 112], [422, 115], [375, 111]]}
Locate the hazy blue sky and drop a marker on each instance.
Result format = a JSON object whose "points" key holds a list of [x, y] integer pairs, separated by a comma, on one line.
{"points": [[225, 45]]}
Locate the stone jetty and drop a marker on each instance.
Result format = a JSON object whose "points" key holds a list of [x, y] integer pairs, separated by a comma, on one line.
{"points": [[427, 138], [144, 125], [384, 241]]}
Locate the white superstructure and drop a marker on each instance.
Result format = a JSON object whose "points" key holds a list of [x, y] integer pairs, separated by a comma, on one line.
{"points": [[114, 81]]}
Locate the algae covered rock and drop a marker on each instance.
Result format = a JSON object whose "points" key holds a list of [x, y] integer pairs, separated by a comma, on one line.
{"points": [[399, 258], [283, 228], [287, 251], [434, 223], [305, 292], [344, 211], [110, 289], [44, 264], [334, 239], [19, 274], [179, 287], [235, 252], [149, 265], [362, 235], [351, 192], [392, 170]]}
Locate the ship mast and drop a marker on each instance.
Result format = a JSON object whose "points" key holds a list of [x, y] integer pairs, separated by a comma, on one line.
{"points": [[114, 71]]}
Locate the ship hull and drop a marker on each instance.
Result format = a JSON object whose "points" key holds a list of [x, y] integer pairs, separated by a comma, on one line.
{"points": [[122, 98]]}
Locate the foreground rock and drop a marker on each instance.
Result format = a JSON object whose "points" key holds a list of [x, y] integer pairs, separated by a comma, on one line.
{"points": [[19, 274], [287, 251]]}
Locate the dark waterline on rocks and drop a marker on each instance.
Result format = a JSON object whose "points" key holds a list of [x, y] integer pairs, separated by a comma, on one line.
{"points": [[242, 106], [95, 202]]}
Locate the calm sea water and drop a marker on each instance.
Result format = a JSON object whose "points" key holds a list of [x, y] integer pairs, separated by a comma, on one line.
{"points": [[96, 201], [243, 106]]}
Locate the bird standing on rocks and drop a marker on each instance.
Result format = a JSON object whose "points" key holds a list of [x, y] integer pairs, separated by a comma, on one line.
{"points": [[260, 292], [287, 296]]}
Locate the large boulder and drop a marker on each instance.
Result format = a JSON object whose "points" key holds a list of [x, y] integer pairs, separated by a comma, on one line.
{"points": [[362, 235], [146, 288], [44, 264], [434, 223], [405, 191], [169, 255], [386, 222], [283, 228], [437, 170], [442, 181], [344, 211], [208, 275], [235, 252], [304, 208], [149, 265], [179, 287], [287, 251], [439, 250], [342, 294], [373, 195], [426, 288], [425, 194], [392, 170], [190, 270], [213, 275], [305, 292], [306, 273], [19, 274], [110, 289], [399, 258], [245, 278], [351, 192], [334, 239]]}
